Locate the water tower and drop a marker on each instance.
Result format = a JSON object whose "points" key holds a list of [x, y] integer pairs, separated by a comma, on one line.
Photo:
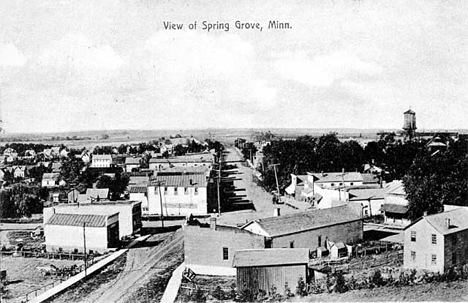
{"points": [[410, 123]]}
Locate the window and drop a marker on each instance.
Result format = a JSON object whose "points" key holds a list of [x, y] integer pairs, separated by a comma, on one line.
{"points": [[176, 190], [186, 190], [341, 183], [291, 244], [165, 190], [413, 256], [434, 239], [145, 209], [413, 236], [434, 260], [319, 241], [351, 183], [225, 253], [196, 190]]}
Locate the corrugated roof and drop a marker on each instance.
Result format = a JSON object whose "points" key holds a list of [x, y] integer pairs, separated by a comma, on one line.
{"points": [[198, 180], [370, 178], [78, 220], [137, 189], [458, 221], [302, 221], [337, 177], [270, 257], [394, 208]]}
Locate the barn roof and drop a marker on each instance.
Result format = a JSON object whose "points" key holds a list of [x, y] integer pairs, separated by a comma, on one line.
{"points": [[270, 257], [79, 220], [307, 220], [198, 180], [137, 189]]}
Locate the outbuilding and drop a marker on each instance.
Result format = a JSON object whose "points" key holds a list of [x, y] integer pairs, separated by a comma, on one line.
{"points": [[263, 269]]}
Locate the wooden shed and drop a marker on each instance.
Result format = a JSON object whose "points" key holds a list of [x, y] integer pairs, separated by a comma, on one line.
{"points": [[264, 268]]}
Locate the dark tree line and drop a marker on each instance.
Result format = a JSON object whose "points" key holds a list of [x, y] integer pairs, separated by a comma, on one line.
{"points": [[328, 154], [437, 179], [22, 200]]}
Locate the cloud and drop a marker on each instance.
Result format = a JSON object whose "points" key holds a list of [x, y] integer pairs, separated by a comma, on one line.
{"points": [[11, 56], [74, 64], [323, 71]]}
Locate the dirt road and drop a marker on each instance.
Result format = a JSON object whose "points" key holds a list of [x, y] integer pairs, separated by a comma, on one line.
{"points": [[143, 262]]}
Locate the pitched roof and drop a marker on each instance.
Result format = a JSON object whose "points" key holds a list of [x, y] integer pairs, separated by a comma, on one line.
{"points": [[270, 257], [78, 220], [307, 220], [50, 176], [137, 189], [337, 177], [395, 188], [394, 208], [180, 160], [198, 180], [132, 160], [458, 221], [370, 178], [366, 193]]}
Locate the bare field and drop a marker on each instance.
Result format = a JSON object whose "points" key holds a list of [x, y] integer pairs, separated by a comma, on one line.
{"points": [[24, 277]]}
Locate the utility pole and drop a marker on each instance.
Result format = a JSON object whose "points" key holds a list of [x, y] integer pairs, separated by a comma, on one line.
{"points": [[276, 177], [84, 246], [219, 181], [160, 201]]}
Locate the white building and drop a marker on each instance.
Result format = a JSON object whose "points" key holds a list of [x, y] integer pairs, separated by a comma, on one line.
{"points": [[50, 179], [69, 232], [101, 161], [182, 194], [129, 213]]}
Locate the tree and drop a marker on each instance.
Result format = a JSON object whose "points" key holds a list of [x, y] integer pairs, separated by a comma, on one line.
{"points": [[71, 169], [434, 180]]}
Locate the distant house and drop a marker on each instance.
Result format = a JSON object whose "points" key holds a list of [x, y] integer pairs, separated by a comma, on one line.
{"points": [[437, 242], [56, 167], [73, 195], [67, 232], [132, 163], [395, 207], [262, 269], [30, 153], [181, 195], [370, 199], [10, 152], [94, 194], [129, 213], [50, 179], [64, 153], [19, 172], [101, 161], [162, 164], [310, 229]]}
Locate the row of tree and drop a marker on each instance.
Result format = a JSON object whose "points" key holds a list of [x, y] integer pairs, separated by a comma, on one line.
{"points": [[22, 200], [328, 154]]}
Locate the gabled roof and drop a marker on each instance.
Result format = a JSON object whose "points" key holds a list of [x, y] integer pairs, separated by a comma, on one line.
{"points": [[366, 193], [395, 188], [307, 220], [79, 220], [198, 180], [270, 257], [458, 221]]}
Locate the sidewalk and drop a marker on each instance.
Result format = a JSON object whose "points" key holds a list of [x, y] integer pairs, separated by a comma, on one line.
{"points": [[172, 288]]}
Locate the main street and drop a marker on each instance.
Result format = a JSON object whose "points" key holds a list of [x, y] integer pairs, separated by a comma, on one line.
{"points": [[244, 180]]}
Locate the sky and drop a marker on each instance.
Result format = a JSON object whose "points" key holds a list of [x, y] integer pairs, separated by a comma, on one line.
{"points": [[111, 64]]}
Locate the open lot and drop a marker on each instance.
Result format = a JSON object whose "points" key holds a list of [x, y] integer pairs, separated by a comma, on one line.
{"points": [[24, 277]]}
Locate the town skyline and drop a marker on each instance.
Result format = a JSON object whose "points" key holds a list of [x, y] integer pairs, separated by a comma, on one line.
{"points": [[348, 65]]}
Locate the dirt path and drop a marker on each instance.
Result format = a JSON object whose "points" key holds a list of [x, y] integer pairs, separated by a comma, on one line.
{"points": [[141, 264]]}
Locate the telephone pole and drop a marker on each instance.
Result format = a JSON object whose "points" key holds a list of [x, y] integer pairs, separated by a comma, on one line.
{"points": [[84, 247], [276, 177], [219, 181], [160, 200]]}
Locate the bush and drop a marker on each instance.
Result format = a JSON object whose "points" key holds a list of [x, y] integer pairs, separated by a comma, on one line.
{"points": [[340, 283], [301, 288], [218, 293], [377, 279]]}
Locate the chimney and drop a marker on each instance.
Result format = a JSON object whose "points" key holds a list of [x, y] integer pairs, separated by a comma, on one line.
{"points": [[276, 212], [447, 223], [213, 223], [424, 213]]}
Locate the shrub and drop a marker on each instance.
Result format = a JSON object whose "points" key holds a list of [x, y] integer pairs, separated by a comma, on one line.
{"points": [[340, 283], [377, 279], [301, 288], [218, 293], [287, 291]]}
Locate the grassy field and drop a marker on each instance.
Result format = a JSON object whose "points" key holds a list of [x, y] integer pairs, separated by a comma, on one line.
{"points": [[23, 275]]}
